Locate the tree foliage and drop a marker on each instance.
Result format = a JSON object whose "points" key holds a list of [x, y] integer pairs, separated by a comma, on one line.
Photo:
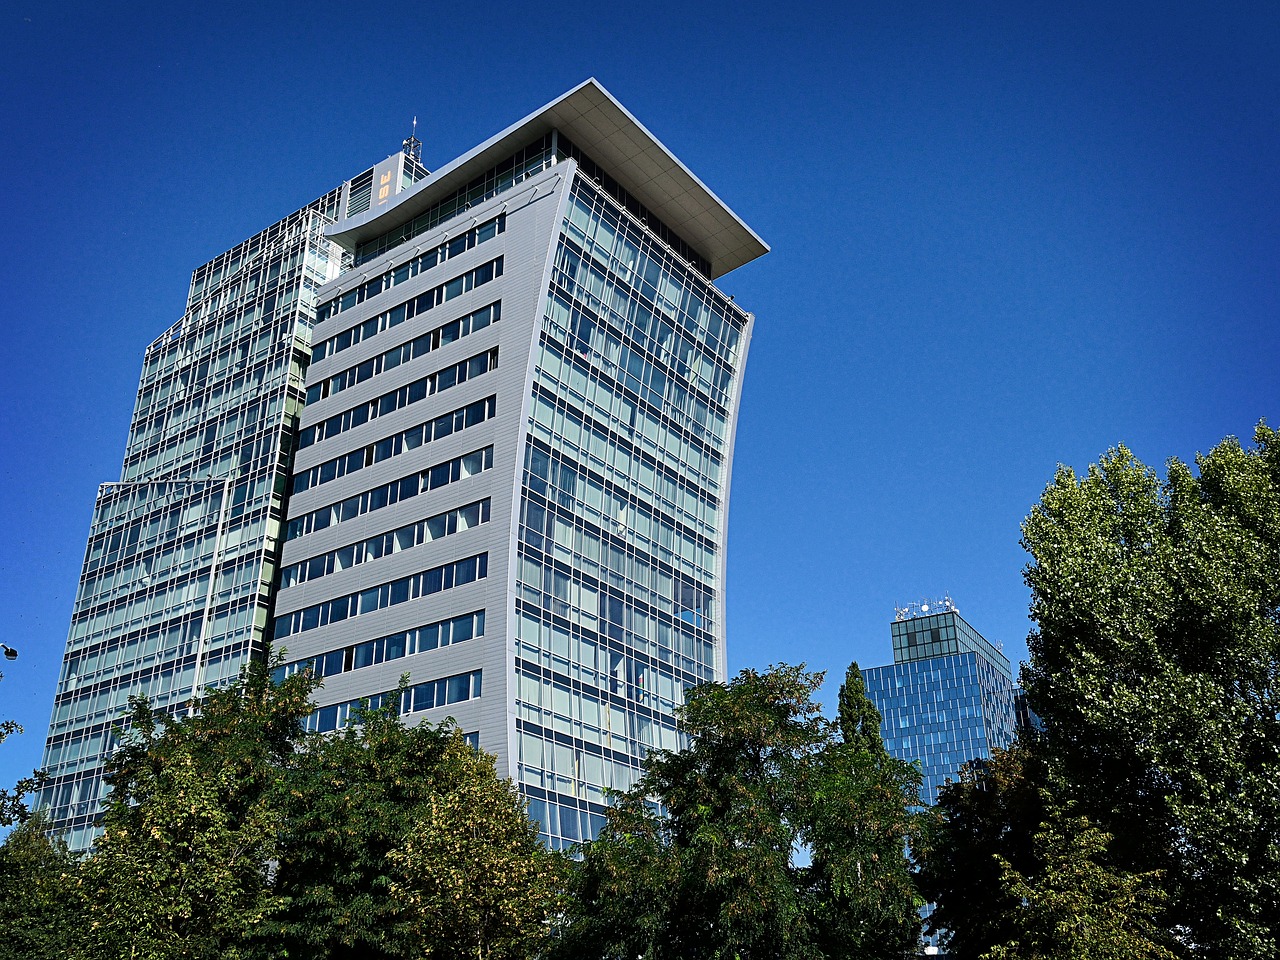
{"points": [[860, 821], [231, 833], [987, 821], [39, 898], [191, 825], [858, 717], [1075, 905], [700, 859], [350, 801], [473, 878], [403, 842], [1155, 666], [1014, 877]]}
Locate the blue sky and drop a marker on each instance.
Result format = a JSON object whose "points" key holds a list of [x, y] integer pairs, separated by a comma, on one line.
{"points": [[1005, 236]]}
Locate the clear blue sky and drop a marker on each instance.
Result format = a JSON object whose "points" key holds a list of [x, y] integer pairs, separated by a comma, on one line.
{"points": [[1005, 235]]}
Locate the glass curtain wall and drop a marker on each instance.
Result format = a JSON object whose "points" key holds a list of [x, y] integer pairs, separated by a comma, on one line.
{"points": [[175, 590], [619, 570], [942, 712]]}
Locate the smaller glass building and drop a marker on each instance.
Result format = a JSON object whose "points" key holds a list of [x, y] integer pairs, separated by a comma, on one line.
{"points": [[947, 698]]}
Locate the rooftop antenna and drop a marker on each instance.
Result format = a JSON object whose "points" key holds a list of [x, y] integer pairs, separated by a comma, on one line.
{"points": [[412, 145]]}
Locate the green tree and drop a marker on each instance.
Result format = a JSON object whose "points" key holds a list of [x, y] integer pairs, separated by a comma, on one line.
{"points": [[351, 799], [1076, 906], [704, 857], [231, 833], [986, 822], [368, 815], [1154, 666], [191, 825], [39, 896], [473, 878], [860, 822], [857, 716], [713, 874], [13, 802], [627, 889]]}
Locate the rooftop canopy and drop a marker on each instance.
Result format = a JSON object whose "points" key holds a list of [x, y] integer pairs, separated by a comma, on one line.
{"points": [[606, 132]]}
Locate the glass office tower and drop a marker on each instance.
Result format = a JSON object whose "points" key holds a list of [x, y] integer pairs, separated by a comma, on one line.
{"points": [[513, 467], [947, 698], [177, 584], [473, 426], [179, 578], [511, 472]]}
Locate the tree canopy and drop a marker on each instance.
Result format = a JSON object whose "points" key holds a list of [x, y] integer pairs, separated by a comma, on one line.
{"points": [[1155, 665], [706, 855], [1075, 905], [1140, 822], [988, 818], [403, 842], [192, 824], [39, 899], [231, 833], [472, 877]]}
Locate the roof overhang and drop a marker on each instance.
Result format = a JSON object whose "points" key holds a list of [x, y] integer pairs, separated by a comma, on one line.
{"points": [[603, 129]]}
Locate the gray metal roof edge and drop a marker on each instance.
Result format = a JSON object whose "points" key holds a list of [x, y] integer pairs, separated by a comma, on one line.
{"points": [[674, 159], [457, 172]]}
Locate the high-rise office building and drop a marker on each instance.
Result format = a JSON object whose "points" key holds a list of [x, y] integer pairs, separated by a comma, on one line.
{"points": [[948, 696], [511, 472], [513, 465]]}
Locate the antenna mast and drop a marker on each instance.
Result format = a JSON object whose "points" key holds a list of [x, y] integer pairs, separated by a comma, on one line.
{"points": [[412, 145]]}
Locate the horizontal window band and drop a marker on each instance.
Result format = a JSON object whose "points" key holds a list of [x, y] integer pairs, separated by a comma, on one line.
{"points": [[419, 346], [433, 383], [427, 583], [405, 441], [394, 646], [446, 250], [442, 474], [421, 696], [428, 300], [404, 538]]}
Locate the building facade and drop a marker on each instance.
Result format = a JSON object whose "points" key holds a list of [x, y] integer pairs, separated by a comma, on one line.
{"points": [[513, 466], [948, 697], [487, 444], [177, 584]]}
